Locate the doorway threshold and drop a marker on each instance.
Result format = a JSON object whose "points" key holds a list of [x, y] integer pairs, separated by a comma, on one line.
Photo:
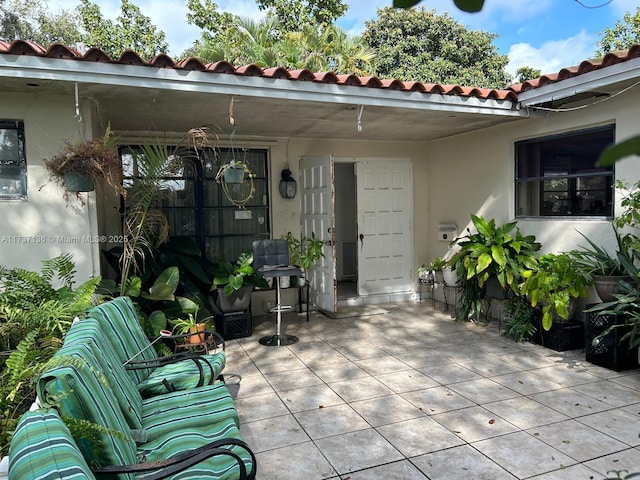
{"points": [[376, 299]]}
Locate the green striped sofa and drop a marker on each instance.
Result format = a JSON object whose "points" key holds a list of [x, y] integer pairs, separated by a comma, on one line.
{"points": [[116, 430], [151, 373]]}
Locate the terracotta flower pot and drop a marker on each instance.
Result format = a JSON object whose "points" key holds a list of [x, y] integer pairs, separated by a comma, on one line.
{"points": [[200, 328]]}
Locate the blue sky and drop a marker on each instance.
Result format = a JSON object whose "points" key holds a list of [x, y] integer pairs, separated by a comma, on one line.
{"points": [[543, 34]]}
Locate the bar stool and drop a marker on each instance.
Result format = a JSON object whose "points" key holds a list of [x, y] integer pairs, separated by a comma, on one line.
{"points": [[271, 260]]}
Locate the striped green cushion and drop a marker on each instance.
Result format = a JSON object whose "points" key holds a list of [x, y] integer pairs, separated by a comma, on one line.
{"points": [[203, 406], [218, 467], [42, 447], [182, 375], [80, 392], [87, 336], [121, 326]]}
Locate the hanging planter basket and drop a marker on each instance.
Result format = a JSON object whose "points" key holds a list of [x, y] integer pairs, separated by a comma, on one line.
{"points": [[237, 182], [77, 182], [234, 174]]}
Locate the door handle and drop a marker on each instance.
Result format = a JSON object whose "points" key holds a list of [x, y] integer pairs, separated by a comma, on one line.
{"points": [[361, 236]]}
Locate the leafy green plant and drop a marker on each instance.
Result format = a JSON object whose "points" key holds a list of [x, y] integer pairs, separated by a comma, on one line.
{"points": [[304, 252], [626, 306], [437, 264], [145, 227], [500, 252], [553, 283], [233, 276], [595, 260], [519, 313], [36, 310], [184, 325]]}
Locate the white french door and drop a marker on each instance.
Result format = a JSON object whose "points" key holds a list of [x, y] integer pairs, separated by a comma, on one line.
{"points": [[317, 216], [385, 234]]}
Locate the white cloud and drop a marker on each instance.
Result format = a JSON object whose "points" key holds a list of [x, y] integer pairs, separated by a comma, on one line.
{"points": [[551, 56]]}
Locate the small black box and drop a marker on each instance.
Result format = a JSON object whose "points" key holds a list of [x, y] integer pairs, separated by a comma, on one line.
{"points": [[234, 325], [609, 352]]}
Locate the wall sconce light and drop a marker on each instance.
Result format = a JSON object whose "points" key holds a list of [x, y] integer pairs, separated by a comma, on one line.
{"points": [[288, 186]]}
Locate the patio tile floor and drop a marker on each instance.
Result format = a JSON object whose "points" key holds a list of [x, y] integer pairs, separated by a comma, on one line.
{"points": [[412, 394]]}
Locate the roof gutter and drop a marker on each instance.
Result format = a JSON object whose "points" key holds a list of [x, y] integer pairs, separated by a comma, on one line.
{"points": [[64, 70], [586, 82]]}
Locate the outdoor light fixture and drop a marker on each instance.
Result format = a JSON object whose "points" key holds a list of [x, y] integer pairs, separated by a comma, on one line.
{"points": [[288, 186]]}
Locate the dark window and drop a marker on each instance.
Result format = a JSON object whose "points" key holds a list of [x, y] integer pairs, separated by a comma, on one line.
{"points": [[13, 161], [557, 176], [196, 206]]}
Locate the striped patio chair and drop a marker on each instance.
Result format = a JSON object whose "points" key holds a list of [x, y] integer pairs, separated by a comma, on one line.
{"points": [[153, 374], [154, 416]]}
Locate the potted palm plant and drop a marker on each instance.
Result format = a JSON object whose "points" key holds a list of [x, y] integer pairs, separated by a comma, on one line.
{"points": [[79, 167], [192, 326], [606, 271]]}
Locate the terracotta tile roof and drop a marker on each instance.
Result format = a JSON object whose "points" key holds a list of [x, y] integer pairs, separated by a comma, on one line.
{"points": [[21, 47], [586, 66]]}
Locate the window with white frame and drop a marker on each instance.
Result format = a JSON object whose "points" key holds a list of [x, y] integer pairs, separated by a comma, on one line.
{"points": [[13, 161], [558, 176]]}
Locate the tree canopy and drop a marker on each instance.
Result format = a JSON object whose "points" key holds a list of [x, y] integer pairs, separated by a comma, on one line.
{"points": [[31, 20], [304, 37], [527, 73], [292, 14], [418, 44], [131, 31], [622, 35]]}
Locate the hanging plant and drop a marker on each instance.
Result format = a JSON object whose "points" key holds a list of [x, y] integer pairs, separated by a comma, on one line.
{"points": [[79, 167], [236, 180]]}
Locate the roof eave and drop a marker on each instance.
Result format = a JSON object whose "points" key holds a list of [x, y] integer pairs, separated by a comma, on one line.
{"points": [[170, 79], [586, 82]]}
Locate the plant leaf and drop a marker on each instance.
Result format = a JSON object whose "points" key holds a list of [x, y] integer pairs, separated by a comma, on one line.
{"points": [[615, 152], [157, 321], [471, 6], [483, 262], [405, 3]]}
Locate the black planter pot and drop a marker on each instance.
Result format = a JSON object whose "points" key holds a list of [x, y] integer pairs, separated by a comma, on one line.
{"points": [[562, 336], [238, 301], [232, 313]]}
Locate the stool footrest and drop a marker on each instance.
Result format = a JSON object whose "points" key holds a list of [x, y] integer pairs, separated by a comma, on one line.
{"points": [[281, 308]]}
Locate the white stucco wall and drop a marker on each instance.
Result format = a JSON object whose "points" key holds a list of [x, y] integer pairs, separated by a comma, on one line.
{"points": [[453, 177], [474, 173], [44, 225]]}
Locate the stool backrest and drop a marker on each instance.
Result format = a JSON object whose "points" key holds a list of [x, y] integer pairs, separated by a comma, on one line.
{"points": [[273, 251]]}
